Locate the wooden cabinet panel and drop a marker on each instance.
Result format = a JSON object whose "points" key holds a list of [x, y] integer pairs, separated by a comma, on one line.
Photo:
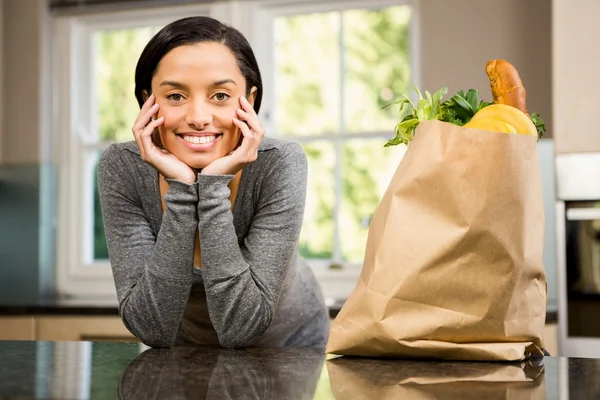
{"points": [[17, 328], [73, 328]]}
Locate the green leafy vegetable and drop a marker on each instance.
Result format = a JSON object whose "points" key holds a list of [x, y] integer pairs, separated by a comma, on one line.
{"points": [[457, 110], [539, 124]]}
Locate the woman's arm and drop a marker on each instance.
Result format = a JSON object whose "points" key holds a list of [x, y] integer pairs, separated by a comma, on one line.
{"points": [[153, 275], [243, 283]]}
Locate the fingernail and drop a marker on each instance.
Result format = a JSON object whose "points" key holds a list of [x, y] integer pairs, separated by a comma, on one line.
{"points": [[243, 98]]}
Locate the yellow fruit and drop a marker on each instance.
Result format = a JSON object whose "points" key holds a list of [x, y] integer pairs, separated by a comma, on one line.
{"points": [[490, 124], [510, 115]]}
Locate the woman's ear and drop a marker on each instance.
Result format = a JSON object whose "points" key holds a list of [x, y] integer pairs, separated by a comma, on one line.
{"points": [[252, 96], [145, 95]]}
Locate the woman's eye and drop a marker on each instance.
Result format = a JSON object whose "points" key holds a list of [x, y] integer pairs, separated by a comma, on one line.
{"points": [[221, 96], [175, 97]]}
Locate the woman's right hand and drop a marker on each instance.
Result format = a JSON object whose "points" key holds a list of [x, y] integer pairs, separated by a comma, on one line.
{"points": [[164, 162]]}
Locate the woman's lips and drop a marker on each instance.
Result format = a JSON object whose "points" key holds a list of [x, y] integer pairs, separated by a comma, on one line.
{"points": [[199, 142]]}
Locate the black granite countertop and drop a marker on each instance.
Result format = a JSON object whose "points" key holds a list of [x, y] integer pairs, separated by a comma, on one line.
{"points": [[86, 370], [107, 306]]}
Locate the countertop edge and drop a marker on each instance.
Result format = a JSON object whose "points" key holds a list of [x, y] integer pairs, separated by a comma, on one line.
{"points": [[112, 310]]}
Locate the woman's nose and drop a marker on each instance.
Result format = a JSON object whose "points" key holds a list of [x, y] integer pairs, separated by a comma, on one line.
{"points": [[199, 115]]}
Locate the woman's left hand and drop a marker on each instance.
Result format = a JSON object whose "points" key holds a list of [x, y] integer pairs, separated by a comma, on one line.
{"points": [[247, 152]]}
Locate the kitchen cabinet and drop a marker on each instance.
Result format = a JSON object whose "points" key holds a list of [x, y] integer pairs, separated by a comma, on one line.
{"points": [[87, 328], [17, 328], [65, 328]]}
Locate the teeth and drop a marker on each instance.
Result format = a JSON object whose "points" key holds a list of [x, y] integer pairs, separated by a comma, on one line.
{"points": [[199, 139]]}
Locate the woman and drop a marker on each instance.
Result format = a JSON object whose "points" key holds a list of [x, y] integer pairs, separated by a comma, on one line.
{"points": [[202, 213]]}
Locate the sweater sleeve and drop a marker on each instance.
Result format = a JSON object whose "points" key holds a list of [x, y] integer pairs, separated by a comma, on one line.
{"points": [[243, 282], [152, 273]]}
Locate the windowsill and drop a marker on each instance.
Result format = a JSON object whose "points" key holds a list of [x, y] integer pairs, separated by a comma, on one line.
{"points": [[337, 284]]}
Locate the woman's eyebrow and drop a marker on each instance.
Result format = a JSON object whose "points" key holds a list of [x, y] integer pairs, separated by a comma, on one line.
{"points": [[174, 84], [223, 82]]}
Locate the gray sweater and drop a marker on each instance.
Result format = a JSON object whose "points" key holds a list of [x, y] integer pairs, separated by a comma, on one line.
{"points": [[253, 289]]}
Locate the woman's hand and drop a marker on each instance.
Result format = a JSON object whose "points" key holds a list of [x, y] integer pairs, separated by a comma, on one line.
{"points": [[248, 151], [164, 162]]}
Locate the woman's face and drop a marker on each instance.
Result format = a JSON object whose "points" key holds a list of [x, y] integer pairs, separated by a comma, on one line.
{"points": [[198, 89]]}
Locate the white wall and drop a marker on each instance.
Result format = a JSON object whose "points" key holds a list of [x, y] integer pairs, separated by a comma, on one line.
{"points": [[460, 36], [24, 60], [576, 60]]}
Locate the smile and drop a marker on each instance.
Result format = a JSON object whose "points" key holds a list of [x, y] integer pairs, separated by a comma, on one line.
{"points": [[199, 139], [199, 142]]}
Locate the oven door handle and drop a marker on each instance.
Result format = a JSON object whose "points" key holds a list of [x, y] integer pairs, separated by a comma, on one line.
{"points": [[583, 214]]}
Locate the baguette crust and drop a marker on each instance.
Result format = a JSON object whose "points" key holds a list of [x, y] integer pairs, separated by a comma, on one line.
{"points": [[506, 84]]}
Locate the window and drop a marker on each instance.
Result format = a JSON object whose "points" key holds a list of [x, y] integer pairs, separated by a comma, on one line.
{"points": [[329, 70], [94, 69]]}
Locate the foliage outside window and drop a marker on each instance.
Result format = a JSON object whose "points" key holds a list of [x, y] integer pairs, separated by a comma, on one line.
{"points": [[334, 73]]}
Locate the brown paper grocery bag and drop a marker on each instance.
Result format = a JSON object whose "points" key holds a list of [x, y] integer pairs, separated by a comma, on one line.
{"points": [[421, 380], [453, 264]]}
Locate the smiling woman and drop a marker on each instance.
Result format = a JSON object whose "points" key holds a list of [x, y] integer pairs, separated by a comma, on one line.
{"points": [[218, 263]]}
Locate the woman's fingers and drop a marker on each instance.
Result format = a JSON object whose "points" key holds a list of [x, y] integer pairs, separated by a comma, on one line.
{"points": [[248, 114], [143, 121], [251, 130], [249, 147], [243, 128], [145, 107], [146, 138], [244, 116]]}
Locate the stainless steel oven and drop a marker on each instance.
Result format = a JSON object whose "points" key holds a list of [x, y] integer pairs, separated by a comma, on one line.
{"points": [[578, 254]]}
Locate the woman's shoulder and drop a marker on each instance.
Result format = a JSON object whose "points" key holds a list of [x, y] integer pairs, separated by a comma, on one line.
{"points": [[281, 152], [279, 162], [119, 155], [281, 146], [121, 150], [120, 162]]}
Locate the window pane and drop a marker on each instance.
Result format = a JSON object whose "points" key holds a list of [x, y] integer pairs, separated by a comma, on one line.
{"points": [[100, 250], [377, 66], [316, 238], [368, 168], [307, 74], [117, 52]]}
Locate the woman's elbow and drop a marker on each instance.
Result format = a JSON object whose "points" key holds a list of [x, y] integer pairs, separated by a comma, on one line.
{"points": [[152, 336], [157, 343]]}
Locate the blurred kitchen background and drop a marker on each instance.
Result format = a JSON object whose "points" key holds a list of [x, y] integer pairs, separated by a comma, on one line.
{"points": [[66, 84]]}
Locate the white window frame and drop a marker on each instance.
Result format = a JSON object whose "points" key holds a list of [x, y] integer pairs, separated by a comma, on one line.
{"points": [[337, 282], [77, 274]]}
